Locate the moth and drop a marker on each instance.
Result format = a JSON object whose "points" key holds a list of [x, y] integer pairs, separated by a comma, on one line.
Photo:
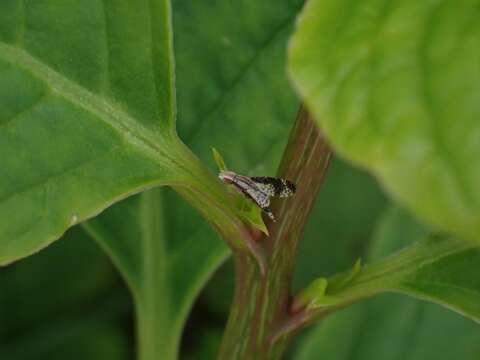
{"points": [[259, 189]]}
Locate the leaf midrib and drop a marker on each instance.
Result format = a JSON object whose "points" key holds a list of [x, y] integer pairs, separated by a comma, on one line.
{"points": [[387, 275], [153, 144], [240, 75], [442, 284]]}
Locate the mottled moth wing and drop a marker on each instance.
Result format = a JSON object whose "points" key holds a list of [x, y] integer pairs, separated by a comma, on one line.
{"points": [[274, 186], [259, 189], [250, 189], [261, 199]]}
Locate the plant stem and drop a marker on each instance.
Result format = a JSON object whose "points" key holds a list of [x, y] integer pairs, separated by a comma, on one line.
{"points": [[262, 301]]}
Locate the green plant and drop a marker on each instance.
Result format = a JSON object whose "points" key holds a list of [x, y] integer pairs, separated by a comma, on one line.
{"points": [[89, 97]]}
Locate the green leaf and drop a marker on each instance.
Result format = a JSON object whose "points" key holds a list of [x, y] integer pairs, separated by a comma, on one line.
{"points": [[437, 270], [440, 270], [163, 271], [395, 88], [86, 113], [312, 296], [219, 160], [390, 326], [252, 215], [232, 88], [346, 278], [394, 328]]}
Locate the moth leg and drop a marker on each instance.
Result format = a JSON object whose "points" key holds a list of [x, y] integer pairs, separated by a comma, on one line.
{"points": [[269, 212]]}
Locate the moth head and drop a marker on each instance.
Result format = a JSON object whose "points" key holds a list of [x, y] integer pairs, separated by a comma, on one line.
{"points": [[226, 176]]}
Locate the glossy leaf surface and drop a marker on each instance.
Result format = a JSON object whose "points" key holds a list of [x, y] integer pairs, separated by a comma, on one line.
{"points": [[86, 113], [395, 86]]}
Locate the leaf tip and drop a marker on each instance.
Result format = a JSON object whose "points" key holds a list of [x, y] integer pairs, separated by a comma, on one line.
{"points": [[252, 214], [312, 296], [219, 160]]}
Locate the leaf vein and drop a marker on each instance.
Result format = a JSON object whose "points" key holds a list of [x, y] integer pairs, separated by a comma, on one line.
{"points": [[52, 176], [28, 110], [220, 101], [108, 112], [470, 291]]}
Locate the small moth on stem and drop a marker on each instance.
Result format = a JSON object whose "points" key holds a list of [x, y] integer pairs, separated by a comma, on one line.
{"points": [[259, 189]]}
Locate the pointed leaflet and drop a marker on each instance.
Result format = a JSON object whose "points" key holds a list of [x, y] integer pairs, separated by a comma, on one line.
{"points": [[440, 270], [395, 85]]}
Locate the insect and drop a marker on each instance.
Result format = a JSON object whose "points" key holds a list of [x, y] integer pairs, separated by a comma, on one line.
{"points": [[259, 188]]}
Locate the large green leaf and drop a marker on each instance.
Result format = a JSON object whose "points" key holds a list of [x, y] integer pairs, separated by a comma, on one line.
{"points": [[86, 112], [389, 326], [395, 85], [232, 90]]}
